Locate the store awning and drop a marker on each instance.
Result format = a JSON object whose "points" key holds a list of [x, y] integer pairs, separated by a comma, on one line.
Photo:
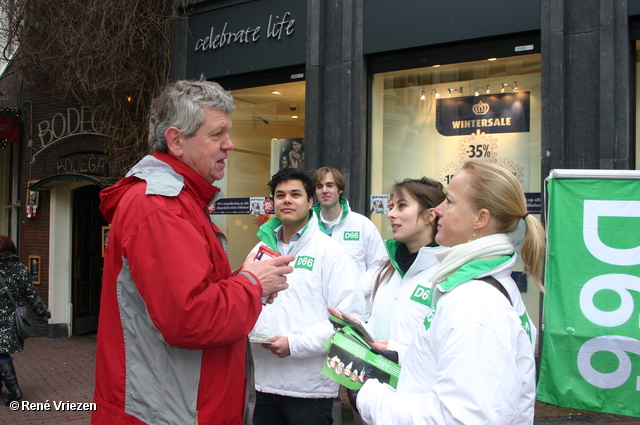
{"points": [[49, 182]]}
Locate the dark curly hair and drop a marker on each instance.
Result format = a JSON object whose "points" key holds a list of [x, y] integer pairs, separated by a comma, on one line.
{"points": [[287, 174], [6, 245]]}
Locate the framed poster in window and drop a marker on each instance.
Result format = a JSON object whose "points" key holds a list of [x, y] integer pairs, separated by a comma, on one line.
{"points": [[34, 269], [105, 237], [33, 198]]}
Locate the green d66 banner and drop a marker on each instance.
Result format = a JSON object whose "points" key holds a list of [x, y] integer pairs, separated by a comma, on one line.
{"points": [[591, 346]]}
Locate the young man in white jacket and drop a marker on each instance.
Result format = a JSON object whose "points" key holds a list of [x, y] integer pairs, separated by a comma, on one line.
{"points": [[355, 232], [288, 365]]}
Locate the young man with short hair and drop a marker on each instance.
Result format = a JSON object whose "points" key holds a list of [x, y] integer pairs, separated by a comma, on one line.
{"points": [[355, 232], [290, 386]]}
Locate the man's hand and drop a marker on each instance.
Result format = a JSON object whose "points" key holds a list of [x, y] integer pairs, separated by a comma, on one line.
{"points": [[279, 347], [271, 273]]}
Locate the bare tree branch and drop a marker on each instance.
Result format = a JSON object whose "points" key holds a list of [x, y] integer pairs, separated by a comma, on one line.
{"points": [[110, 55]]}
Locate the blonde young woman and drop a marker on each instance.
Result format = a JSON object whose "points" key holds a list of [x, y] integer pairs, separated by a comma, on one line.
{"points": [[472, 360]]}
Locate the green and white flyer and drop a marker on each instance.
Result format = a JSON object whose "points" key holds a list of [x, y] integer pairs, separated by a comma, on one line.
{"points": [[350, 357]]}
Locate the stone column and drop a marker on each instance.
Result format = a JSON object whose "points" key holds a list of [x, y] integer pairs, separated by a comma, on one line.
{"points": [[586, 85], [336, 96]]}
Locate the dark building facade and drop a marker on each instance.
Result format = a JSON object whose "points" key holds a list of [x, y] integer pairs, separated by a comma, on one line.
{"points": [[380, 89], [388, 89], [51, 176]]}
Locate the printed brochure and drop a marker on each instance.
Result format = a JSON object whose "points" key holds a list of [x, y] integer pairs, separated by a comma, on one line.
{"points": [[264, 253], [350, 357]]}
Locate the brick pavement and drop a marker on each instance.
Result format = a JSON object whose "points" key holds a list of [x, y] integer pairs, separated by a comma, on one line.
{"points": [[51, 370], [61, 370]]}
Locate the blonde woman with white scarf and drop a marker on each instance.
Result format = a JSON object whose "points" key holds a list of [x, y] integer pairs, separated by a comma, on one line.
{"points": [[472, 362]]}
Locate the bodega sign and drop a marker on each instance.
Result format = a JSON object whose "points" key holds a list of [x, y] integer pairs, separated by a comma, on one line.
{"points": [[62, 126], [591, 351]]}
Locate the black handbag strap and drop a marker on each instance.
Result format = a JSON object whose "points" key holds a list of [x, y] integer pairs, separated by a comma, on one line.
{"points": [[496, 284], [9, 293]]}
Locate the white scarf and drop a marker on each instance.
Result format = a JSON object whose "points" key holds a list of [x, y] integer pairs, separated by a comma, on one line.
{"points": [[496, 245]]}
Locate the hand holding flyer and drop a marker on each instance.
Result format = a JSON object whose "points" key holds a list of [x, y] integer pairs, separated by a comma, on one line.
{"points": [[355, 324], [264, 253], [259, 339], [350, 356]]}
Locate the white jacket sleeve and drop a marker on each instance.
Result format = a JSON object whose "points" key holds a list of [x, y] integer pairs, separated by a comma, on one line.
{"points": [[374, 246], [374, 400], [476, 383], [341, 284], [400, 348], [367, 280], [341, 290], [308, 344]]}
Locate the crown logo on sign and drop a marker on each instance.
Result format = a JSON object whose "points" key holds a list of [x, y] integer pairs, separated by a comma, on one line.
{"points": [[480, 108]]}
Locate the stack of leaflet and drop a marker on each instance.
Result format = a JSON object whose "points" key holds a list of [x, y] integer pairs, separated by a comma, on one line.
{"points": [[350, 356]]}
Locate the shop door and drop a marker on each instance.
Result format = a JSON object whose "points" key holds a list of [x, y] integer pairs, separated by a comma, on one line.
{"points": [[86, 259]]}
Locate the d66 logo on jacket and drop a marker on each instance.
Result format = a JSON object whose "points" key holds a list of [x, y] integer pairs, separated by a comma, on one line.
{"points": [[304, 263]]}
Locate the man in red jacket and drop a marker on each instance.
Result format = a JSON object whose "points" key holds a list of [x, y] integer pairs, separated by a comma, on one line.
{"points": [[173, 317]]}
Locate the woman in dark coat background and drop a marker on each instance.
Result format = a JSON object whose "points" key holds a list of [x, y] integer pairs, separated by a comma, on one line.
{"points": [[16, 279]]}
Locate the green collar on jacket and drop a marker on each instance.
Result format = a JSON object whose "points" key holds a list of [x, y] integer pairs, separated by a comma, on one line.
{"points": [[317, 208], [472, 270], [266, 233], [392, 248]]}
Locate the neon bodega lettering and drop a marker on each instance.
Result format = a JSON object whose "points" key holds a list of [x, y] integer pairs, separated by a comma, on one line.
{"points": [[65, 125], [84, 163]]}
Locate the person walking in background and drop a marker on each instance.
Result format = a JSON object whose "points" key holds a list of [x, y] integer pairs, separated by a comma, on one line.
{"points": [[174, 319], [472, 361], [289, 382], [15, 280]]}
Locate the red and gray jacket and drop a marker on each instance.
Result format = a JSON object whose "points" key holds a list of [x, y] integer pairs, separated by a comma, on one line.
{"points": [[173, 319]]}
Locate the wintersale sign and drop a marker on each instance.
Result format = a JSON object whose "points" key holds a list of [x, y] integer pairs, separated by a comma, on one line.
{"points": [[591, 347]]}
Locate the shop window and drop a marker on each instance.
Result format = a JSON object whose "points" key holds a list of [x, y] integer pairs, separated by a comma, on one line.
{"points": [[429, 121], [267, 125]]}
